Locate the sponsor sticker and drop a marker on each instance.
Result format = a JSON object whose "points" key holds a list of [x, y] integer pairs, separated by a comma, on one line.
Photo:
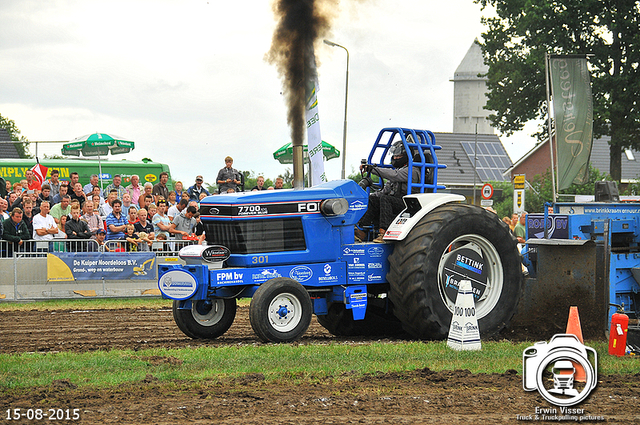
{"points": [[215, 253], [301, 273], [351, 251], [229, 277], [375, 251], [178, 284], [357, 206]]}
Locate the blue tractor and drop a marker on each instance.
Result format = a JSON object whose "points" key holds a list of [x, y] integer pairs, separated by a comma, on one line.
{"points": [[294, 254]]}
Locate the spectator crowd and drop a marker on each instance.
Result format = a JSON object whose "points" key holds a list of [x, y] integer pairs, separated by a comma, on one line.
{"points": [[136, 215]]}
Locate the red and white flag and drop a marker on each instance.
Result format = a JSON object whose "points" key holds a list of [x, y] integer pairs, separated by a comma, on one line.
{"points": [[40, 171]]}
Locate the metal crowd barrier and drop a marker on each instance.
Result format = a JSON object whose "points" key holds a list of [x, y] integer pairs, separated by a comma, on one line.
{"points": [[161, 248], [39, 248]]}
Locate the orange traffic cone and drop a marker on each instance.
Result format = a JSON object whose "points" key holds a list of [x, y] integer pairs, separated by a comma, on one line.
{"points": [[574, 328], [573, 325]]}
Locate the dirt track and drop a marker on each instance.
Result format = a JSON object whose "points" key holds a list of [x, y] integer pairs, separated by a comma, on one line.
{"points": [[420, 396]]}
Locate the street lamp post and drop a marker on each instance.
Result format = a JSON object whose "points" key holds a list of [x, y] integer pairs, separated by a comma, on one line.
{"points": [[346, 97]]}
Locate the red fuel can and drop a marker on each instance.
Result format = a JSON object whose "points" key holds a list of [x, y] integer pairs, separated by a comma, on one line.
{"points": [[618, 334]]}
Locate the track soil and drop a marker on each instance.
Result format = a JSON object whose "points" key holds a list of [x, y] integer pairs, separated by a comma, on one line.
{"points": [[420, 396]]}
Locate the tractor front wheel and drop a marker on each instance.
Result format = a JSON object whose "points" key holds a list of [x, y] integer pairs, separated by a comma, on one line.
{"points": [[207, 319], [280, 310]]}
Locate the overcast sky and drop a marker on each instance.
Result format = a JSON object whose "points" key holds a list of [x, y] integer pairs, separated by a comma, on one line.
{"points": [[187, 80]]}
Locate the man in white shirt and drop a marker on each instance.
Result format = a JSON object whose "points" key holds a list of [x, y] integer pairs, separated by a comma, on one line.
{"points": [[44, 226], [177, 209]]}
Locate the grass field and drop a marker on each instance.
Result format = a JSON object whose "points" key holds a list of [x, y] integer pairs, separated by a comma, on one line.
{"points": [[297, 362]]}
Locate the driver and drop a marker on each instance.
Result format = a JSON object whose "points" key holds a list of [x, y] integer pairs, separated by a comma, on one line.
{"points": [[386, 204]]}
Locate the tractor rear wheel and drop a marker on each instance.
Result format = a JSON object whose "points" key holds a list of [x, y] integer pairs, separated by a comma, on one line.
{"points": [[455, 242], [280, 310], [207, 319]]}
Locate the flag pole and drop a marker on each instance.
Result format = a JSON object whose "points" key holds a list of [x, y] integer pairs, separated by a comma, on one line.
{"points": [[551, 144]]}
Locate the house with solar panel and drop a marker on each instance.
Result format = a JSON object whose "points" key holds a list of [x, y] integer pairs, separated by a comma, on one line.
{"points": [[538, 161], [483, 156]]}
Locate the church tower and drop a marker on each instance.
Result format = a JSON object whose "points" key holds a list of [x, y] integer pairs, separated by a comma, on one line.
{"points": [[469, 94]]}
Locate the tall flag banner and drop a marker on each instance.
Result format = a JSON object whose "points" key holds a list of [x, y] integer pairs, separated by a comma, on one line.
{"points": [[314, 140], [40, 171], [573, 113]]}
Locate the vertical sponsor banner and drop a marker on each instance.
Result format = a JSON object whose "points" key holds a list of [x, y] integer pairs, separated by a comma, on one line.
{"points": [[573, 110], [314, 139]]}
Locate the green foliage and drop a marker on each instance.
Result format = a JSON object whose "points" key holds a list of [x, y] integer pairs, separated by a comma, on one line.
{"points": [[251, 180], [632, 189], [514, 47], [287, 178], [86, 304], [355, 175], [211, 188], [504, 207], [14, 134]]}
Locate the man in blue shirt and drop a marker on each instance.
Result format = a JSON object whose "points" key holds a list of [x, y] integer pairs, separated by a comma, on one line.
{"points": [[195, 190], [116, 222]]}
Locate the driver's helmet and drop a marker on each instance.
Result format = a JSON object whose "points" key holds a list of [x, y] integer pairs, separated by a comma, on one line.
{"points": [[399, 156]]}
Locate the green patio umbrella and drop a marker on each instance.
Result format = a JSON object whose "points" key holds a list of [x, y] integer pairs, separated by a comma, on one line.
{"points": [[285, 154], [98, 144]]}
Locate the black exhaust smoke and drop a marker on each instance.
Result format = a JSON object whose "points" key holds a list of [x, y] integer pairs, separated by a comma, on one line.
{"points": [[300, 24]]}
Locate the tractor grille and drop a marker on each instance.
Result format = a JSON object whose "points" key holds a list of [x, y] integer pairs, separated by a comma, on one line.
{"points": [[254, 236]]}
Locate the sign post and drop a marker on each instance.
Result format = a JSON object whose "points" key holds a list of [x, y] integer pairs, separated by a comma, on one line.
{"points": [[518, 192], [487, 193]]}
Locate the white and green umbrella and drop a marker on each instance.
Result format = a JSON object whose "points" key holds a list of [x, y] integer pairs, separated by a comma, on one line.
{"points": [[285, 154], [98, 144]]}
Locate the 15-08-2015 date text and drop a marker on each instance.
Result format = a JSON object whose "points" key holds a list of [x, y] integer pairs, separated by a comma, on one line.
{"points": [[50, 414]]}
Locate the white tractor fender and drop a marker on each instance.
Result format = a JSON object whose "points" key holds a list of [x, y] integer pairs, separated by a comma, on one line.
{"points": [[417, 206]]}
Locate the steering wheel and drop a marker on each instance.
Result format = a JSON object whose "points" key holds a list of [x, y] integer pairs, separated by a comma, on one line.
{"points": [[373, 187]]}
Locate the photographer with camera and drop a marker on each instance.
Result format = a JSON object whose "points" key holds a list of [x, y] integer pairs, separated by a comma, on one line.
{"points": [[386, 204]]}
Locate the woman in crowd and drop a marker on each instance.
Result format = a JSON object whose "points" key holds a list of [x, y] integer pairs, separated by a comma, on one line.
{"points": [[148, 190], [62, 234]]}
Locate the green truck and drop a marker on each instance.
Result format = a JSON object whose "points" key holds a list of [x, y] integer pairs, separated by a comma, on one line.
{"points": [[148, 171]]}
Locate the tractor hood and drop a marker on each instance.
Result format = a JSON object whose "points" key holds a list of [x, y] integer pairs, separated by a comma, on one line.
{"points": [[288, 202]]}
